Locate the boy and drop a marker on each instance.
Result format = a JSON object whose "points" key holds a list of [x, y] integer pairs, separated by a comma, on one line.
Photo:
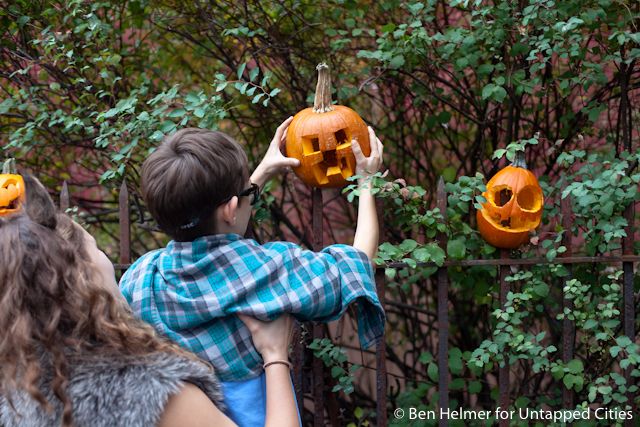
{"points": [[197, 187]]}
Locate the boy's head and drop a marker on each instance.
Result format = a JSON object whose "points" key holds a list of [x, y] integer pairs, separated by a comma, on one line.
{"points": [[187, 179]]}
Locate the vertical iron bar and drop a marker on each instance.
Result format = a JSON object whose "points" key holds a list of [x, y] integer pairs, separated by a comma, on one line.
{"points": [[568, 326], [443, 314], [627, 297], [125, 224], [381, 360], [297, 358], [626, 126], [65, 199], [318, 330], [503, 374]]}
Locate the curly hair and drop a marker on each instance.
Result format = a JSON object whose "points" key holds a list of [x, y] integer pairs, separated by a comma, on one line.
{"points": [[52, 305]]}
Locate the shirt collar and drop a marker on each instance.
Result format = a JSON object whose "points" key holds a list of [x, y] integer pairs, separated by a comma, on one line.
{"points": [[210, 242]]}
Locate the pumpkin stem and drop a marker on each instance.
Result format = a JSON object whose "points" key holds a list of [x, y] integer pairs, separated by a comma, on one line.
{"points": [[519, 161], [322, 101], [9, 166]]}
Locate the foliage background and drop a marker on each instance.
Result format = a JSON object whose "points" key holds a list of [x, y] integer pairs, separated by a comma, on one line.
{"points": [[89, 88]]}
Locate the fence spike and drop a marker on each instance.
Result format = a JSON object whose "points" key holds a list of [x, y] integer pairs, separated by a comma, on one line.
{"points": [[65, 201], [443, 312], [125, 224]]}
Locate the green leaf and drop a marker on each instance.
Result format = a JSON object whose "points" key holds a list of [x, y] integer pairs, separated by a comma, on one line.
{"points": [[177, 113], [253, 74], [456, 248], [408, 245], [495, 92], [575, 366], [241, 70], [432, 372], [623, 341], [568, 380], [522, 402], [422, 255], [23, 20], [475, 387], [358, 412], [436, 254], [590, 324], [157, 136], [455, 361], [457, 384], [396, 62], [449, 174]]}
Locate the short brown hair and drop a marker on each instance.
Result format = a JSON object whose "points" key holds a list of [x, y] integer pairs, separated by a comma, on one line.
{"points": [[188, 176]]}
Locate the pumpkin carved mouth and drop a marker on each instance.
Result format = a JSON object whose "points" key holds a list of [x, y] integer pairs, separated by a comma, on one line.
{"points": [[330, 163], [513, 207]]}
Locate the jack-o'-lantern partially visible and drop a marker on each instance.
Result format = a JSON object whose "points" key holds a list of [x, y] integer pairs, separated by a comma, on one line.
{"points": [[513, 207], [320, 137], [11, 190]]}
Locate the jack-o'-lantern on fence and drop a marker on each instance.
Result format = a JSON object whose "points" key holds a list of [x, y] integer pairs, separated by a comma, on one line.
{"points": [[11, 190], [320, 137], [513, 207]]}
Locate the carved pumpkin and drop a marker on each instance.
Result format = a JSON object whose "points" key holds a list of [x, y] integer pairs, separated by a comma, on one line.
{"points": [[513, 207], [11, 190], [320, 137]]}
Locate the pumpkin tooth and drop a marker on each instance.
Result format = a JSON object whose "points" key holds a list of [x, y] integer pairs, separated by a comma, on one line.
{"points": [[313, 158], [333, 170]]}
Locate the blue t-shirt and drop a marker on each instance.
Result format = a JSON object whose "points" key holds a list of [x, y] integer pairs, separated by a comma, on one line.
{"points": [[249, 399]]}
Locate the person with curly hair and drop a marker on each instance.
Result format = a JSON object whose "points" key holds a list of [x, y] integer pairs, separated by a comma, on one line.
{"points": [[72, 353]]}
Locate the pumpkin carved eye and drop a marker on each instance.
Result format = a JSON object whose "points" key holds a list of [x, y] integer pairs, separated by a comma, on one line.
{"points": [[320, 137], [513, 207]]}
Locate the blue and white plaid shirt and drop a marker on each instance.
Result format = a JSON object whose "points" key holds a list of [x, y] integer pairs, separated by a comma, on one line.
{"points": [[190, 291]]}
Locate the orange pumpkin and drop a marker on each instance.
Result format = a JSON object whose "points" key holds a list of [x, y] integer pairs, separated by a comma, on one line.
{"points": [[11, 190], [513, 207], [320, 137]]}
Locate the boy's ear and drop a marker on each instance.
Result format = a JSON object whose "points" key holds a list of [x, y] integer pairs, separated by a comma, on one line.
{"points": [[226, 213], [38, 204]]}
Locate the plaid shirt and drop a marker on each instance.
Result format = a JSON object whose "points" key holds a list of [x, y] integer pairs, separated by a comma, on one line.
{"points": [[190, 291]]}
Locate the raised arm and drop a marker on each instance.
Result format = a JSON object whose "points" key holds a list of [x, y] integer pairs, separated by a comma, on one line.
{"points": [[366, 238]]}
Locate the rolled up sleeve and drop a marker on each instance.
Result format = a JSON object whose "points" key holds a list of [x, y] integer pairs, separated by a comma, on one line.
{"points": [[320, 286]]}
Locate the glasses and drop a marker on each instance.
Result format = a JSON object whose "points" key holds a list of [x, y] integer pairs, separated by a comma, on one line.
{"points": [[254, 190]]}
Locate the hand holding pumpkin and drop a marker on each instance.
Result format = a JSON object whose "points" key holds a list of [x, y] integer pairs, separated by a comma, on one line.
{"points": [[274, 161], [367, 166]]}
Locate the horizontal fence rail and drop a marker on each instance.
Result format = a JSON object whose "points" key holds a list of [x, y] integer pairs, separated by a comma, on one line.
{"points": [[317, 381]]}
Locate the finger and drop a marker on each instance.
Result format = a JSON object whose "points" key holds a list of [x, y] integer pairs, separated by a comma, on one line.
{"points": [[380, 147], [284, 125], [291, 162], [283, 138], [372, 142], [357, 151], [250, 322]]}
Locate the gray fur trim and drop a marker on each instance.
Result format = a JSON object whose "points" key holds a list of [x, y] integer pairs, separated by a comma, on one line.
{"points": [[114, 392]]}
